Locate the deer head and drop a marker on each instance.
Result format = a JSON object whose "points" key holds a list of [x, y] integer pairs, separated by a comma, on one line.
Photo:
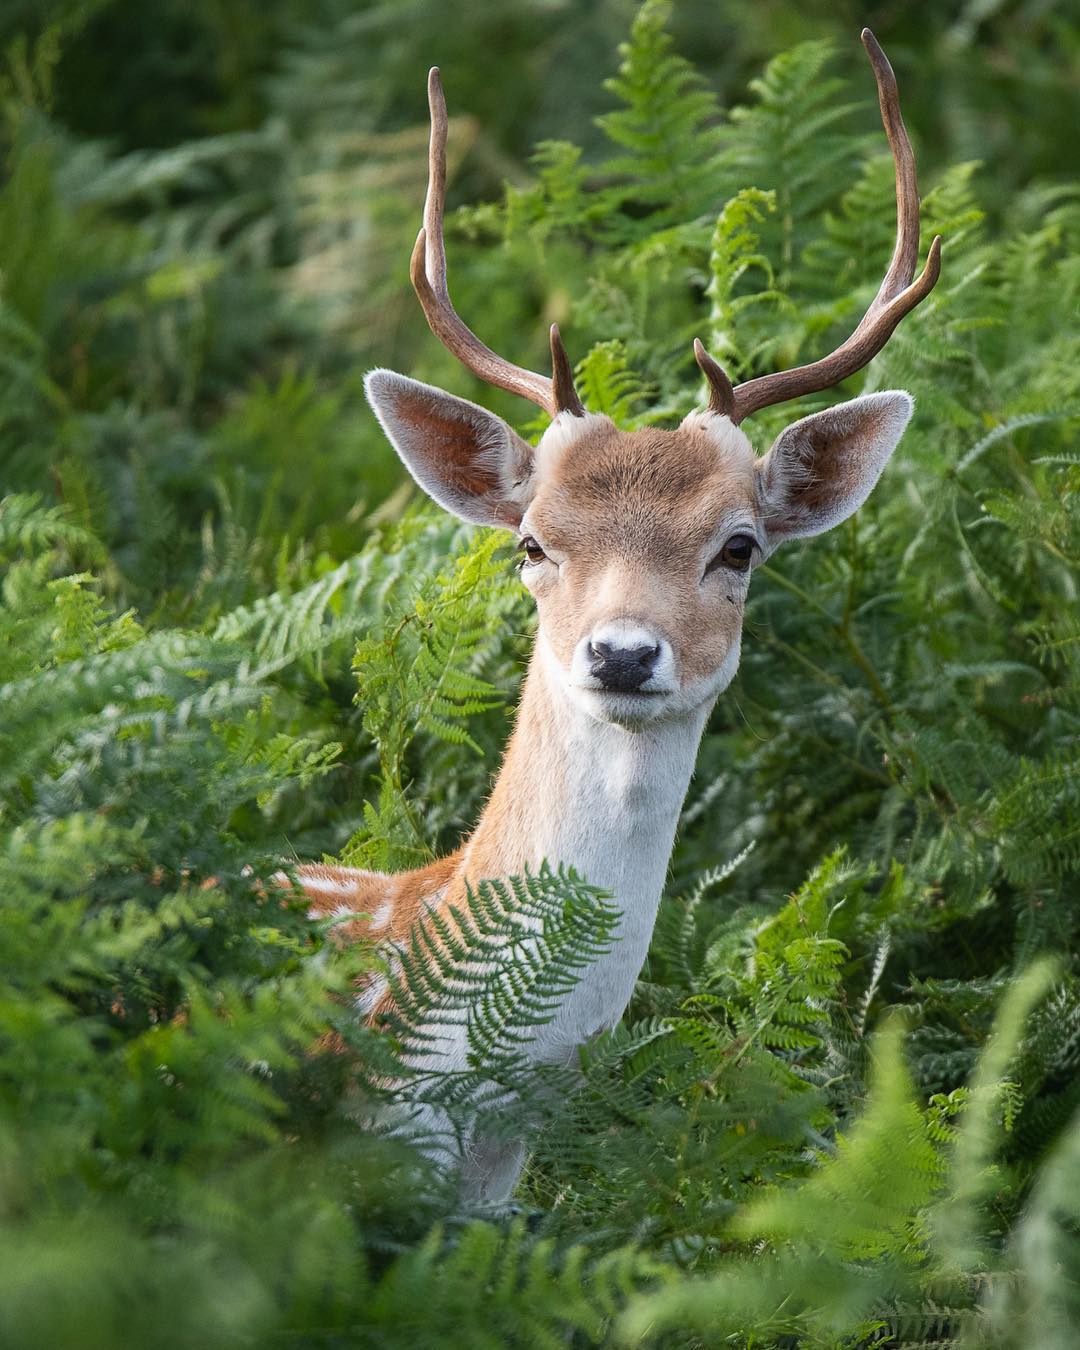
{"points": [[639, 546]]}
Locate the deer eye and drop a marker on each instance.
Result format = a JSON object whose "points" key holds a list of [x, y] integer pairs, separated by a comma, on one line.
{"points": [[532, 550], [735, 554]]}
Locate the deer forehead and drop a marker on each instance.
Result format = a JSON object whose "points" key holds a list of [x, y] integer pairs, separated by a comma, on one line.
{"points": [[650, 495]]}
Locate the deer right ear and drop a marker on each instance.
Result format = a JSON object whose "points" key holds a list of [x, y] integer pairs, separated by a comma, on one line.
{"points": [[465, 458], [823, 467]]}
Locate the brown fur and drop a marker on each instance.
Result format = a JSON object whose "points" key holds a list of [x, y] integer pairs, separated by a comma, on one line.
{"points": [[631, 513], [407, 893], [519, 792]]}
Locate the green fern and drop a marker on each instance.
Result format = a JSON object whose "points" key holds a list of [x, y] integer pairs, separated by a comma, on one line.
{"points": [[608, 386], [423, 672], [503, 963], [203, 521], [668, 146]]}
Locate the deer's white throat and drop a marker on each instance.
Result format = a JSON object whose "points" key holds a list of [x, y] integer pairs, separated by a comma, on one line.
{"points": [[604, 800]]}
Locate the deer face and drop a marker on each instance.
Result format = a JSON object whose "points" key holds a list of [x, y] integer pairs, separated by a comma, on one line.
{"points": [[638, 547]]}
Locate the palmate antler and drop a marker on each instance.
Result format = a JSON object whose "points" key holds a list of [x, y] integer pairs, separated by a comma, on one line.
{"points": [[897, 295]]}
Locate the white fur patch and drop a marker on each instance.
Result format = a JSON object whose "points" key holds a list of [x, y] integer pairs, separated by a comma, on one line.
{"points": [[382, 915], [613, 818], [561, 435], [338, 912], [329, 885], [368, 997], [731, 441]]}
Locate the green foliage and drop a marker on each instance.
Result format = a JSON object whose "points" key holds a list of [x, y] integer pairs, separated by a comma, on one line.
{"points": [[545, 930], [844, 1105], [663, 130], [421, 672]]}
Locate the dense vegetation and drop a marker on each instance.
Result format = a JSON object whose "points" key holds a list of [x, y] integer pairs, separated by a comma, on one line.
{"points": [[843, 1107]]}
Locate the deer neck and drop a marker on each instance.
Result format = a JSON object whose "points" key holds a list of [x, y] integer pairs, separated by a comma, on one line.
{"points": [[590, 795]]}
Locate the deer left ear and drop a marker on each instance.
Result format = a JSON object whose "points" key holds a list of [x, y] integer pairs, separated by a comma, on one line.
{"points": [[463, 456], [822, 468]]}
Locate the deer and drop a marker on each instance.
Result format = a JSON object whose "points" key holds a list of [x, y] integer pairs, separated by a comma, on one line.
{"points": [[638, 548]]}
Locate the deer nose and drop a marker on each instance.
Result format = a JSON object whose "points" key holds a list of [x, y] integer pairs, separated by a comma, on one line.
{"points": [[622, 669]]}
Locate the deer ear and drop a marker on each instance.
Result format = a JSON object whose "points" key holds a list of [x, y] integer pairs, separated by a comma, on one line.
{"points": [[823, 467], [464, 457]]}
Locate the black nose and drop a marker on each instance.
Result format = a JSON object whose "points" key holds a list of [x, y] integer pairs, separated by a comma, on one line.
{"points": [[623, 669]]}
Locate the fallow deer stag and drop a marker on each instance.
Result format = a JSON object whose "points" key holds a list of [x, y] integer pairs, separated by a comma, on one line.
{"points": [[638, 549]]}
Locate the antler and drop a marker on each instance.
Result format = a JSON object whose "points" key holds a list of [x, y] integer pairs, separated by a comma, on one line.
{"points": [[428, 270], [897, 296]]}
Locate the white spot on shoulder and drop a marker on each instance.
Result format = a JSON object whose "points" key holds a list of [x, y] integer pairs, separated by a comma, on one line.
{"points": [[338, 912], [382, 915], [328, 885]]}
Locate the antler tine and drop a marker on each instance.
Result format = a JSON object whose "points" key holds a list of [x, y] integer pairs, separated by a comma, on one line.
{"points": [[896, 296], [562, 377], [428, 271], [721, 394], [906, 252]]}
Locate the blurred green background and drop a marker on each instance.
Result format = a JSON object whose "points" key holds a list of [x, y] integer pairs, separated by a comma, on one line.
{"points": [[984, 80]]}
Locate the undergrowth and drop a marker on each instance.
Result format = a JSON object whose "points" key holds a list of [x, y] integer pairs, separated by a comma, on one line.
{"points": [[842, 1109]]}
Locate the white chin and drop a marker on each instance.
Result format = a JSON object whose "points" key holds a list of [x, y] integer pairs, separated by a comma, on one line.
{"points": [[625, 710]]}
